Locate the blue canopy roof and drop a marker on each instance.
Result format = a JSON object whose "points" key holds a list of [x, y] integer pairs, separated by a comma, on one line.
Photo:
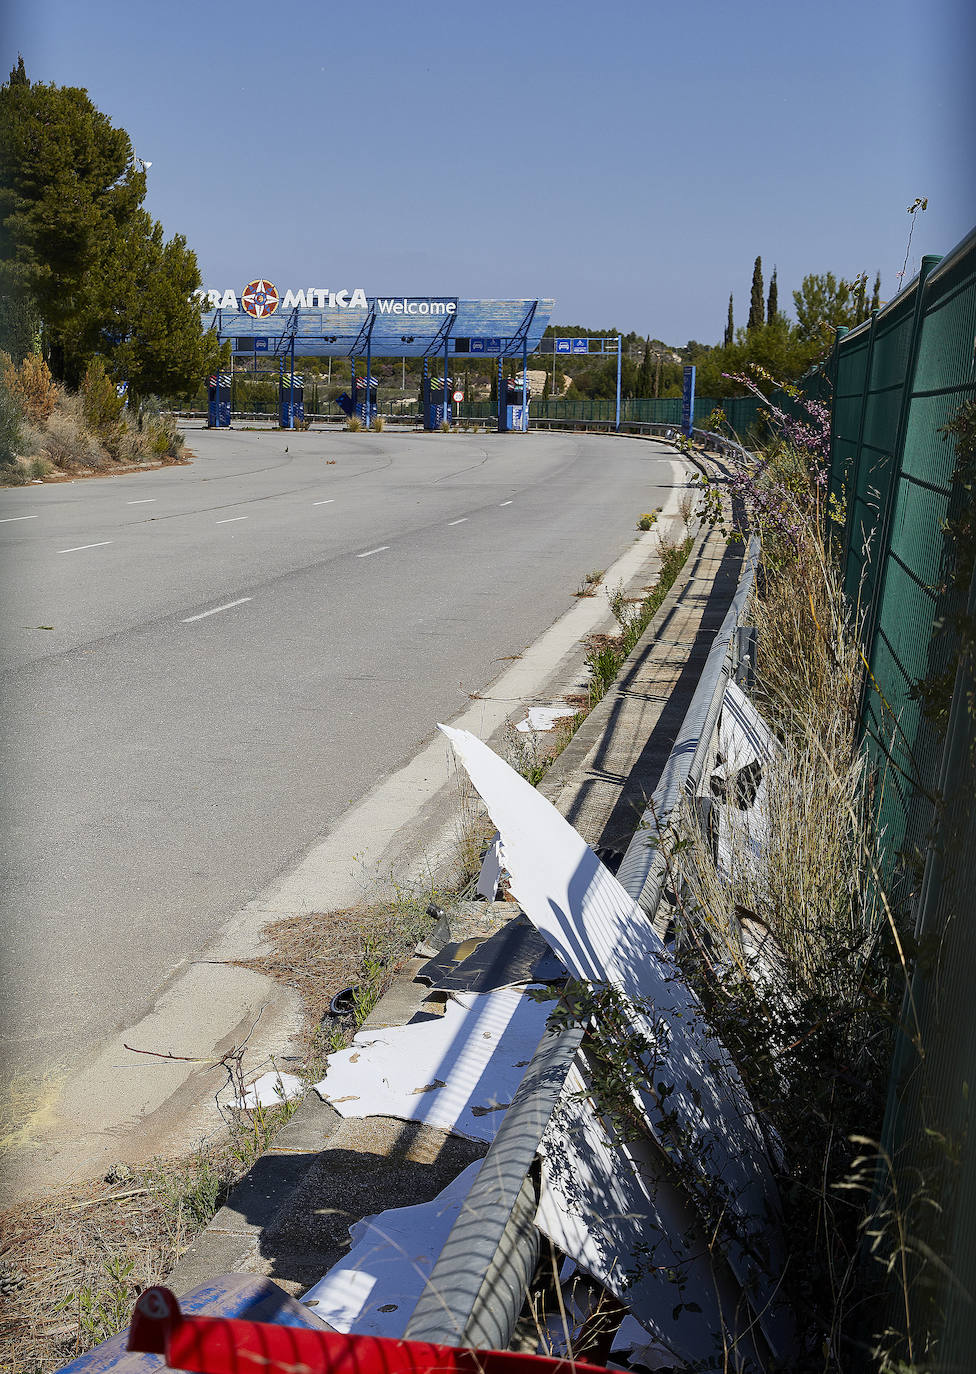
{"points": [[390, 326]]}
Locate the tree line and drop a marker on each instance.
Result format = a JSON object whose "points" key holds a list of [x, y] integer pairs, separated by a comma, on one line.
{"points": [[85, 271]]}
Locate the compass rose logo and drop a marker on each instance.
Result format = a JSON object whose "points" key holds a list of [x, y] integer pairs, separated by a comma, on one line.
{"points": [[260, 298]]}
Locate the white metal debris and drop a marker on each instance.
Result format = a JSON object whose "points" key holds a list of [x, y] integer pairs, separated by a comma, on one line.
{"points": [[746, 745], [458, 1071], [543, 717], [609, 1205], [491, 871], [602, 937], [271, 1089], [638, 1347], [374, 1289]]}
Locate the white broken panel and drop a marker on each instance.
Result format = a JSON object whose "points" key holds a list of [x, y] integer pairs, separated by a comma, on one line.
{"points": [[610, 1207], [635, 1346], [457, 1072], [374, 1289], [544, 717], [270, 1090], [746, 745], [602, 936], [491, 871]]}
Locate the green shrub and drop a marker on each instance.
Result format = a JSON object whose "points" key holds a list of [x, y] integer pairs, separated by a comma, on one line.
{"points": [[10, 420], [101, 403]]}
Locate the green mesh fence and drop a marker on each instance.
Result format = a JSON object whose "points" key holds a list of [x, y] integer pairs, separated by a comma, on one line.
{"points": [[742, 412], [896, 478]]}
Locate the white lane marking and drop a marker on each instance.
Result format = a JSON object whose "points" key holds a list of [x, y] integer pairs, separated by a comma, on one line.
{"points": [[203, 614], [78, 547], [7, 518], [324, 503], [458, 522], [506, 503], [143, 501], [231, 519], [369, 552]]}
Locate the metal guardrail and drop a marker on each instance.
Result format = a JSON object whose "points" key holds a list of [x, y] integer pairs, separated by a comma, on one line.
{"points": [[478, 1285]]}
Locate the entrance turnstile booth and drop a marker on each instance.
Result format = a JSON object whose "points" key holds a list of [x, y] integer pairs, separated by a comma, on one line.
{"points": [[291, 400], [218, 400], [436, 401], [512, 414], [362, 405]]}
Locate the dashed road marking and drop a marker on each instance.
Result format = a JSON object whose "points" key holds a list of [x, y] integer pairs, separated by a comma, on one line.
{"points": [[7, 518], [216, 610], [78, 547], [458, 522], [506, 503], [143, 501], [231, 519], [324, 503], [369, 552]]}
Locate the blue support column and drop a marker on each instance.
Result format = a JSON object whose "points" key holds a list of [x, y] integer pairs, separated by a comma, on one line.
{"points": [[369, 379], [448, 405], [352, 379], [617, 422], [525, 384], [501, 398], [425, 393], [291, 390], [217, 400]]}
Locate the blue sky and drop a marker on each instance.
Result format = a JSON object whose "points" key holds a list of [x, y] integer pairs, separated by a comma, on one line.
{"points": [[629, 159]]}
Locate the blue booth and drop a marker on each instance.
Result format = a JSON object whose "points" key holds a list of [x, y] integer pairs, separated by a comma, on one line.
{"points": [[512, 414], [218, 400], [436, 401], [291, 400]]}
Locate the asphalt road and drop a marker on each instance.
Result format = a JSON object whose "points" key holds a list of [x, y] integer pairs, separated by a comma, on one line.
{"points": [[204, 666]]}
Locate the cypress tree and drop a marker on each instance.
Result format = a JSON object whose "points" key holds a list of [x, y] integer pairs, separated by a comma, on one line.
{"points": [[772, 303], [756, 303], [645, 378], [876, 293], [729, 327], [860, 298]]}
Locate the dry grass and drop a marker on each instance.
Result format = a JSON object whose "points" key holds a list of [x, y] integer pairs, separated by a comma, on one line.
{"points": [[73, 1263], [792, 946]]}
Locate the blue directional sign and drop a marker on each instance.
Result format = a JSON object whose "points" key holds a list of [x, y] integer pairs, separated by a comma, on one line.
{"points": [[688, 401], [581, 345], [485, 345], [564, 345]]}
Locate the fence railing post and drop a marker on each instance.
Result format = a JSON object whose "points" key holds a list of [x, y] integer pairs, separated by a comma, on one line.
{"points": [[883, 547]]}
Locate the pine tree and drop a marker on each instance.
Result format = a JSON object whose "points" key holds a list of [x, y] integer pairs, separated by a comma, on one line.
{"points": [[80, 256], [756, 303], [772, 303], [729, 327], [876, 293]]}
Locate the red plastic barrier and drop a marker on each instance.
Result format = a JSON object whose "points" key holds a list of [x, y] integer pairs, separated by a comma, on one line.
{"points": [[225, 1345]]}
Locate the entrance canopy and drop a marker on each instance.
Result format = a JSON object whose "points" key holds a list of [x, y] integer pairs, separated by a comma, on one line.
{"points": [[389, 327]]}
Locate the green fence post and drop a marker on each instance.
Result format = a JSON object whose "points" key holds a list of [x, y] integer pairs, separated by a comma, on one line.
{"points": [[884, 533], [865, 391], [833, 369]]}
